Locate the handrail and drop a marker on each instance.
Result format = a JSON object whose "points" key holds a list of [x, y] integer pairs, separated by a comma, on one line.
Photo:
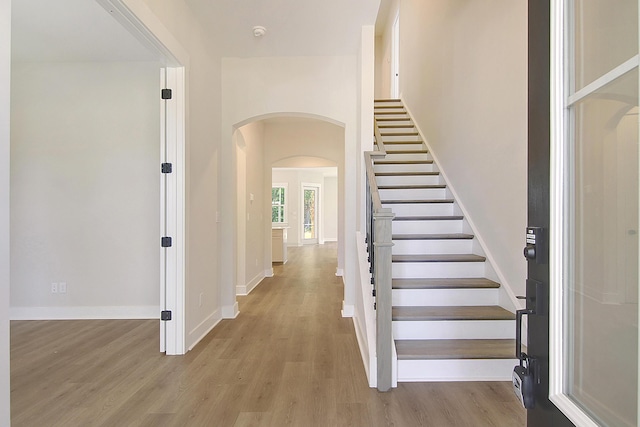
{"points": [[379, 245]]}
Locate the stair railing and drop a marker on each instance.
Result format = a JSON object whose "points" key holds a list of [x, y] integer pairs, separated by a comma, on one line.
{"points": [[379, 248]]}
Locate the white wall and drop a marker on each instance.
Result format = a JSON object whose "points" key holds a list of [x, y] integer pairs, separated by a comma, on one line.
{"points": [[85, 193], [174, 23], [330, 208], [5, 85], [256, 88], [464, 78], [254, 215]]}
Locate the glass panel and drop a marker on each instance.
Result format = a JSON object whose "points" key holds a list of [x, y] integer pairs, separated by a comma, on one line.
{"points": [[606, 35], [309, 213], [602, 287]]}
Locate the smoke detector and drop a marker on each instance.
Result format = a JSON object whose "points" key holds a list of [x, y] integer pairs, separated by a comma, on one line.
{"points": [[259, 31]]}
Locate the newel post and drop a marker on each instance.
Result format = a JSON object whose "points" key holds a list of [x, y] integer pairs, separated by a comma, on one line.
{"points": [[382, 273]]}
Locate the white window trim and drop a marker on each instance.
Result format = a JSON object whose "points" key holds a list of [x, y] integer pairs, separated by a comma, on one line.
{"points": [[286, 202]]}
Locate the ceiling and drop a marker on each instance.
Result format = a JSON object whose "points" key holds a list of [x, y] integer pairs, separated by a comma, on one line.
{"points": [[294, 27], [81, 30]]}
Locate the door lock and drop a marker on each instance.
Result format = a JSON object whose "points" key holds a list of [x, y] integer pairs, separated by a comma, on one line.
{"points": [[535, 249]]}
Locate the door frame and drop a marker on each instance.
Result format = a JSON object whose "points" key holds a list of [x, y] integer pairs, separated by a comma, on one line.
{"points": [[136, 18]]}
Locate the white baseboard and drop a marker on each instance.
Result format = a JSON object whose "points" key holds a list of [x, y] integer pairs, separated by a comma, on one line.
{"points": [[230, 311], [203, 329], [339, 272], [268, 272], [330, 239], [348, 310], [84, 312], [246, 289]]}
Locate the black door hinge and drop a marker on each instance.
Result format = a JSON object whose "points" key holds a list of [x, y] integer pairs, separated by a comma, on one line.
{"points": [[167, 167], [165, 315], [166, 93], [166, 242]]}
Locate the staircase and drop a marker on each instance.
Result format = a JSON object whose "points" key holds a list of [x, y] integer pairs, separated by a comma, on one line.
{"points": [[447, 325]]}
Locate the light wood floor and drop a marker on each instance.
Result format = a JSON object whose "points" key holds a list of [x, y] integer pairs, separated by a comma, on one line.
{"points": [[288, 359]]}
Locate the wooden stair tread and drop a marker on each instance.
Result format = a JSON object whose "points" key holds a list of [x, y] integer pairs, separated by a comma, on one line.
{"points": [[441, 313], [411, 187], [413, 133], [388, 106], [387, 100], [396, 126], [389, 112], [401, 142], [445, 283], [421, 151], [448, 236], [429, 218], [403, 162], [388, 119], [406, 173], [415, 202], [455, 349], [438, 258]]}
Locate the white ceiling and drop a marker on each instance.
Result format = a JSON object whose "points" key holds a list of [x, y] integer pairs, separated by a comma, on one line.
{"points": [[70, 31], [294, 27], [81, 30]]}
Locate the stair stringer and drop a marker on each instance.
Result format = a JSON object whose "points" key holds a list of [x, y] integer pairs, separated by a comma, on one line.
{"points": [[507, 298]]}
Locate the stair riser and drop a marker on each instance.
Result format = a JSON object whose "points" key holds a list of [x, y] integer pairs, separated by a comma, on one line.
{"points": [[401, 138], [408, 156], [445, 297], [450, 246], [455, 370], [389, 108], [413, 194], [427, 227], [454, 329], [425, 167], [395, 115], [394, 122], [417, 270], [425, 209], [390, 148], [409, 180]]}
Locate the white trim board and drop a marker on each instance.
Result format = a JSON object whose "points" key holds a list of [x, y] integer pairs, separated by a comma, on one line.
{"points": [[251, 285]]}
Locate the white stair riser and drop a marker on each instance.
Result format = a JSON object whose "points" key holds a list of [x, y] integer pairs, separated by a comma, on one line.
{"points": [[389, 108], [444, 297], [427, 227], [390, 148], [456, 370], [424, 209], [400, 138], [393, 122], [413, 194], [417, 270], [409, 180], [422, 167], [454, 330], [448, 246], [396, 115], [408, 156]]}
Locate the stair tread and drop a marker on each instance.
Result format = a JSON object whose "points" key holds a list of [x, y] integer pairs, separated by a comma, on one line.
{"points": [[402, 142], [440, 313], [422, 151], [415, 201], [447, 236], [406, 173], [403, 162], [387, 100], [455, 349], [396, 126], [411, 187], [444, 283], [390, 112], [388, 106], [438, 258], [429, 218], [389, 119], [411, 133]]}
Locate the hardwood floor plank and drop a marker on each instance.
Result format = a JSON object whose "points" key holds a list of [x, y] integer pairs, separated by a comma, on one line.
{"points": [[289, 358]]}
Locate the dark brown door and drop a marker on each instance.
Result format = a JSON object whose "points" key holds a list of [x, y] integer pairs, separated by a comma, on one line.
{"points": [[544, 413]]}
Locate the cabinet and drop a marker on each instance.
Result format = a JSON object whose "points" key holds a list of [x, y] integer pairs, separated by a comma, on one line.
{"points": [[279, 244]]}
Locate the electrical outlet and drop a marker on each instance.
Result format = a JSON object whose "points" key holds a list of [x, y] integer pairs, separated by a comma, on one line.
{"points": [[54, 288], [62, 287]]}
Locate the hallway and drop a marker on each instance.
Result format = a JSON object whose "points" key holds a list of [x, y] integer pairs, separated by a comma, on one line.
{"points": [[288, 359]]}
